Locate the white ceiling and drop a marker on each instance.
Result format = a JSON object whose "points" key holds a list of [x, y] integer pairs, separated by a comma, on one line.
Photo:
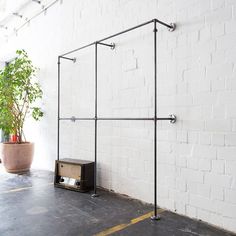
{"points": [[25, 9], [8, 7]]}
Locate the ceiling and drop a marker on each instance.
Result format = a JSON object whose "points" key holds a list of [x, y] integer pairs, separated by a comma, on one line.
{"points": [[15, 13]]}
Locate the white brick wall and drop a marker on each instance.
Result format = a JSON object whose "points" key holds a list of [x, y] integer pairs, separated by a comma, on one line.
{"points": [[196, 81]]}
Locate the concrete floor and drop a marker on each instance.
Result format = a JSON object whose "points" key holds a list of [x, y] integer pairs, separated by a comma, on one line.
{"points": [[31, 206]]}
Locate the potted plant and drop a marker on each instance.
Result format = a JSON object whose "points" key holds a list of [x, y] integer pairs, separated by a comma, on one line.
{"points": [[18, 93]]}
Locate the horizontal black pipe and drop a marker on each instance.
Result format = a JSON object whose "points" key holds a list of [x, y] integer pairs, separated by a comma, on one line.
{"points": [[163, 23], [125, 118], [68, 58], [76, 118], [77, 49], [121, 32], [106, 44], [125, 31], [165, 118], [115, 118]]}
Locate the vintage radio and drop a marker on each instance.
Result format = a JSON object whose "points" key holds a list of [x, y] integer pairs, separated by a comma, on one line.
{"points": [[74, 174]]}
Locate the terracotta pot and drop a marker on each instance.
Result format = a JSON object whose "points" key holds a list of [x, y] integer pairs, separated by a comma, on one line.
{"points": [[17, 158]]}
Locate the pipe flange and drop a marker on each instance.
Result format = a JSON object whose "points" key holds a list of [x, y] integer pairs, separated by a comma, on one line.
{"points": [[113, 46], [157, 217], [173, 118], [173, 27], [72, 119], [74, 59]]}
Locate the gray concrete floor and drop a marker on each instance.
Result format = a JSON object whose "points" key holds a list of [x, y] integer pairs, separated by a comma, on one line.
{"points": [[31, 206]]}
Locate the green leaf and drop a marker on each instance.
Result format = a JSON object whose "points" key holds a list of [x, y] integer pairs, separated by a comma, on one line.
{"points": [[18, 92]]}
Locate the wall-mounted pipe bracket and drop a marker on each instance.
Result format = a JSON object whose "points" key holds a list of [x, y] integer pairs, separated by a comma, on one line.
{"points": [[173, 27], [68, 58], [173, 118], [111, 45]]}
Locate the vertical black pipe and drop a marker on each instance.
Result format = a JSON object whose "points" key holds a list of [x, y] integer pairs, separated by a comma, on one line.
{"points": [[155, 120], [58, 108], [96, 111], [155, 217]]}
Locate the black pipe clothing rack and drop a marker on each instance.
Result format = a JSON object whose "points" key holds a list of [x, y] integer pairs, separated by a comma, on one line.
{"points": [[171, 118]]}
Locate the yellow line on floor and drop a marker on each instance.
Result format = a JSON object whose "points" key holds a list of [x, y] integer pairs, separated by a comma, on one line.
{"points": [[24, 188], [123, 226]]}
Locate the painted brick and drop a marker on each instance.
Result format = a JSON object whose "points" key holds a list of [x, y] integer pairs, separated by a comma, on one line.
{"points": [[219, 112], [216, 219], [193, 137], [205, 34], [218, 84], [217, 4], [172, 135], [233, 185], [217, 30], [181, 161], [180, 208], [217, 57], [204, 164], [231, 111], [226, 153], [230, 196], [202, 151], [192, 163], [226, 97], [205, 59], [218, 166], [203, 214], [229, 223], [228, 210], [234, 125], [191, 211], [193, 125], [205, 98], [203, 203], [192, 175], [226, 41], [202, 85], [205, 138], [230, 26], [230, 139], [206, 112], [230, 168], [230, 81], [217, 193], [182, 136], [218, 180], [181, 184], [199, 189], [218, 139], [163, 192], [218, 125]]}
